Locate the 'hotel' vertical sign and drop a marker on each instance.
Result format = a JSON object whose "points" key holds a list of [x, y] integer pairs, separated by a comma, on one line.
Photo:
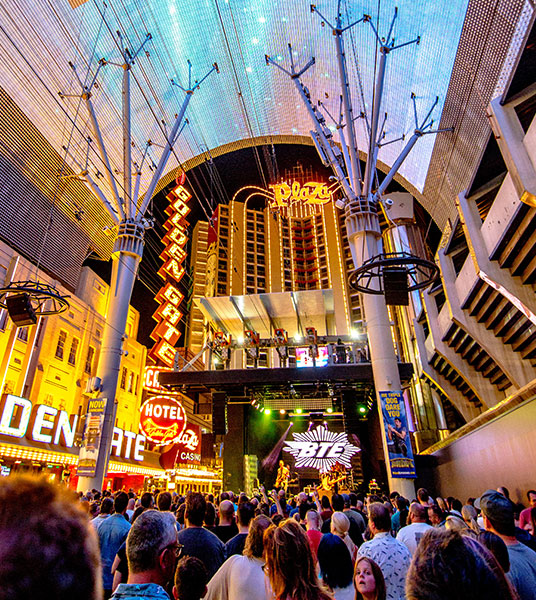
{"points": [[168, 315]]}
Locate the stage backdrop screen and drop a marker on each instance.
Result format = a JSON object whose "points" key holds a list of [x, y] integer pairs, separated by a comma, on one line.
{"points": [[304, 358]]}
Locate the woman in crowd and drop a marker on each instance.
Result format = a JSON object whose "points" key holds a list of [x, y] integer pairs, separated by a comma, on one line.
{"points": [[290, 565], [340, 526], [451, 566], [470, 515], [368, 580], [336, 568], [243, 576]]}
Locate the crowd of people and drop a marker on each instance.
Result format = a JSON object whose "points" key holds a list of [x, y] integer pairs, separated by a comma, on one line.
{"points": [[233, 547]]}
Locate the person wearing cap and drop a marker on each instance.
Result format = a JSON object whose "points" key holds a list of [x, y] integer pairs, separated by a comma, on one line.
{"points": [[498, 516]]}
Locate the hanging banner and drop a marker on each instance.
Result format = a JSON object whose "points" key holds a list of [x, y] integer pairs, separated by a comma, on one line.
{"points": [[396, 431], [89, 451]]}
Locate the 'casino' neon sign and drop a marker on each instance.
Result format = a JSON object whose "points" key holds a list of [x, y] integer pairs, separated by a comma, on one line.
{"points": [[168, 315], [321, 449]]}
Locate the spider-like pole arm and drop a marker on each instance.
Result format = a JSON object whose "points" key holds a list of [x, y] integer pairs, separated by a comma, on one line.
{"points": [[86, 177], [424, 128], [86, 97], [351, 156], [386, 47], [157, 174], [322, 135]]}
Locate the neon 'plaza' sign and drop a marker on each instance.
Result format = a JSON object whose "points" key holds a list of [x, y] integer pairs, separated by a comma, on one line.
{"points": [[321, 449]]}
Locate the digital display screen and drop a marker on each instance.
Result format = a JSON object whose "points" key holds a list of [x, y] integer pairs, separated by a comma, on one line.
{"points": [[4, 471], [304, 358]]}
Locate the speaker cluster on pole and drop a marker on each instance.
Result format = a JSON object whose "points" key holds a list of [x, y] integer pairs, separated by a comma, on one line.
{"points": [[219, 413], [20, 309], [395, 286]]}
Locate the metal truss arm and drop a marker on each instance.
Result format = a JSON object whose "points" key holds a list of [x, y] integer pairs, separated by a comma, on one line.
{"points": [[86, 96], [86, 177], [170, 141]]}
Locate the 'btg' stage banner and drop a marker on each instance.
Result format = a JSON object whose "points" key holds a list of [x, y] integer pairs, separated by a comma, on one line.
{"points": [[396, 431]]}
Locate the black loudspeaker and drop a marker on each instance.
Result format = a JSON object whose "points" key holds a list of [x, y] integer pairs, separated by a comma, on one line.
{"points": [[395, 286], [349, 412], [219, 413], [20, 309]]}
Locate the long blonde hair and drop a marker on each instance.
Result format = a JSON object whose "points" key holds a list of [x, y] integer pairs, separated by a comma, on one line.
{"points": [[340, 526], [290, 564]]}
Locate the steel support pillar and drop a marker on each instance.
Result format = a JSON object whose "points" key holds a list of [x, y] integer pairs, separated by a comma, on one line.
{"points": [[125, 261], [364, 235]]}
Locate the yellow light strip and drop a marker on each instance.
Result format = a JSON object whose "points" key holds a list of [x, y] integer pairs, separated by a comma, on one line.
{"points": [[267, 263], [115, 467], [326, 253], [232, 234], [342, 263], [20, 452]]}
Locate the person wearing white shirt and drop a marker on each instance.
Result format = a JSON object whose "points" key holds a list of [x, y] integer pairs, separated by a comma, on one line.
{"points": [[411, 534], [389, 554]]}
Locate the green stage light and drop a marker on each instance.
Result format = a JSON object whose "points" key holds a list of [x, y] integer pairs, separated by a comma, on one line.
{"points": [[329, 410], [362, 409], [299, 411], [267, 411]]}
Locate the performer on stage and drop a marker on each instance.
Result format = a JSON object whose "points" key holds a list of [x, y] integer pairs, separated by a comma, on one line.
{"points": [[283, 475], [329, 479]]}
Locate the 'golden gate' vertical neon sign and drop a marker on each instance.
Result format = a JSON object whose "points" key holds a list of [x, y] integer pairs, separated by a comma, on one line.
{"points": [[168, 315]]}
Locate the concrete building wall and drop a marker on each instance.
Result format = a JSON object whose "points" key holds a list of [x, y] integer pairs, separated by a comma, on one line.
{"points": [[501, 452]]}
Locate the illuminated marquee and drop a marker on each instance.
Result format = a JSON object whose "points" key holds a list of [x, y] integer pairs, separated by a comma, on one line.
{"points": [[168, 315], [286, 195], [321, 449], [163, 420], [44, 424]]}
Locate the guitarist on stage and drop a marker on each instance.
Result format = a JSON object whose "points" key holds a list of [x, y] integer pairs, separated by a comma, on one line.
{"points": [[283, 475]]}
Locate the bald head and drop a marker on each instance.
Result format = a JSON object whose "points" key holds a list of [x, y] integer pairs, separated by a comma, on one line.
{"points": [[418, 513], [226, 512]]}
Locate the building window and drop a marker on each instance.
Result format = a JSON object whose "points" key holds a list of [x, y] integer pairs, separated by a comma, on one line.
{"points": [[3, 320], [22, 334], [130, 387], [123, 378], [61, 344], [72, 353], [89, 360]]}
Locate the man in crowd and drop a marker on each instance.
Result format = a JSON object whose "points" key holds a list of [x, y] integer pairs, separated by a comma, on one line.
{"points": [[106, 509], [354, 517], [227, 527], [392, 556], [524, 517], [245, 513], [47, 549], [112, 533], [312, 525], [498, 516], [424, 497], [190, 579], [436, 516], [146, 502], [197, 541], [412, 533], [152, 550]]}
